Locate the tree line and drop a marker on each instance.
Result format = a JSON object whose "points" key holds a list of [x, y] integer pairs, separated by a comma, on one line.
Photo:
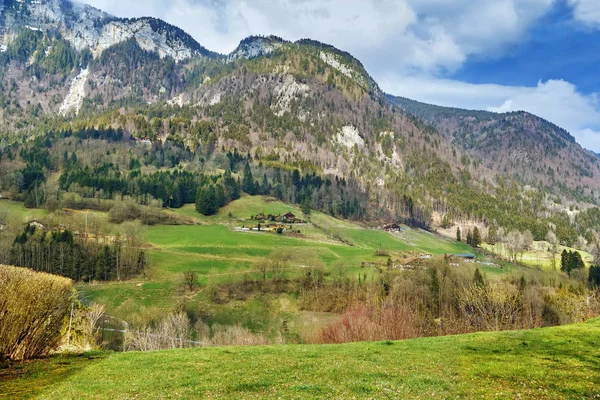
{"points": [[64, 253]]}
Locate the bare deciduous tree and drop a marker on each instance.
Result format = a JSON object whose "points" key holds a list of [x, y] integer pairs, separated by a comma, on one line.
{"points": [[191, 279], [554, 248]]}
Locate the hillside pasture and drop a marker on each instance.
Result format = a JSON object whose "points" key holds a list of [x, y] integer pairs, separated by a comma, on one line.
{"points": [[538, 256], [548, 363]]}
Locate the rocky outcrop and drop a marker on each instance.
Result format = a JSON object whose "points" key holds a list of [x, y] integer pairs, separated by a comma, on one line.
{"points": [[86, 27]]}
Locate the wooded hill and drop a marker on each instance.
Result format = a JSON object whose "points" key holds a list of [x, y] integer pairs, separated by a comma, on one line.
{"points": [[284, 106]]}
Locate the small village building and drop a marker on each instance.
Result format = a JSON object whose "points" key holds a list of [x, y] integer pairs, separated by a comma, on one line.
{"points": [[392, 228], [288, 218]]}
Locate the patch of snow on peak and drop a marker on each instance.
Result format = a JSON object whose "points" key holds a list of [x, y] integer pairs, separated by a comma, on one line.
{"points": [[76, 94], [286, 92], [2, 48], [349, 136]]}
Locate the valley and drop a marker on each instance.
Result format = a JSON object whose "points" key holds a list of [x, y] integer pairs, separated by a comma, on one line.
{"points": [[268, 222]]}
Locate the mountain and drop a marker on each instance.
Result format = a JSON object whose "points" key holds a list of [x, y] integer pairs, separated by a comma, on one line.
{"points": [[85, 27], [302, 105], [520, 144]]}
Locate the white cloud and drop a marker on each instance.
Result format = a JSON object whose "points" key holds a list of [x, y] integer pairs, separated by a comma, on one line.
{"points": [[557, 101], [407, 45], [431, 35], [586, 11]]}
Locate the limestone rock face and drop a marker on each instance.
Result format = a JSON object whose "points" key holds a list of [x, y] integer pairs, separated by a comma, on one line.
{"points": [[87, 27]]}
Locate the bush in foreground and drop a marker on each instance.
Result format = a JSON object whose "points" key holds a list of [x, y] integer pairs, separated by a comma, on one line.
{"points": [[33, 310]]}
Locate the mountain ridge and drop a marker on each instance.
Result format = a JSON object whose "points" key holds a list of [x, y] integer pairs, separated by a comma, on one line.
{"points": [[302, 104]]}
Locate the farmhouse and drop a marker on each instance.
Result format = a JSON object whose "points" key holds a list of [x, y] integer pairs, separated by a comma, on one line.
{"points": [[288, 218], [393, 228]]}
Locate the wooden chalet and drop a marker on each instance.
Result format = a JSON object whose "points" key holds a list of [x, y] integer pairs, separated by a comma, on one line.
{"points": [[288, 218]]}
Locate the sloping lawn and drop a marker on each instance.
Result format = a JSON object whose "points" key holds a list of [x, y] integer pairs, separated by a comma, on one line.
{"points": [[550, 363]]}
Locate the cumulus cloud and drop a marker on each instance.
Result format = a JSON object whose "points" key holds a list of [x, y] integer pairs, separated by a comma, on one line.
{"points": [[586, 11], [431, 35], [557, 101]]}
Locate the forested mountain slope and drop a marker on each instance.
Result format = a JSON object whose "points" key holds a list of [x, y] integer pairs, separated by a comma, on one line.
{"points": [[519, 144], [69, 70]]}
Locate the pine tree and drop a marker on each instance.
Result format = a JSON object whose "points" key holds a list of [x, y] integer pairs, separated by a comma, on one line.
{"points": [[266, 188], [565, 262], [469, 237], [594, 276], [221, 199], [207, 202], [248, 185], [491, 236], [306, 205], [458, 236], [476, 239], [571, 260]]}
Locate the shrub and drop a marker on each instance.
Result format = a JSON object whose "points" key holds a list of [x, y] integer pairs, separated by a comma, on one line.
{"points": [[33, 309], [368, 323], [173, 332]]}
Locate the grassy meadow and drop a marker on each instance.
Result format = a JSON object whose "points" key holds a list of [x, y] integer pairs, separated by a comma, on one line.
{"points": [[219, 254], [538, 256], [548, 363]]}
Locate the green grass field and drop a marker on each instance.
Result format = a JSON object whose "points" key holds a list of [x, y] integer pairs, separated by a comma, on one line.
{"points": [[548, 363], [538, 256], [219, 254], [17, 210]]}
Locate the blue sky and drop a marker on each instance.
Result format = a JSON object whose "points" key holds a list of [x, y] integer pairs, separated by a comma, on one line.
{"points": [[540, 56]]}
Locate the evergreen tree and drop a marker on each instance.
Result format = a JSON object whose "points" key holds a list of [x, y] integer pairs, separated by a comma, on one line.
{"points": [[571, 260], [230, 186], [458, 236], [296, 181], [221, 199], [492, 233], [469, 238], [248, 185], [476, 239], [207, 202], [565, 261], [594, 276], [306, 205], [266, 188]]}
